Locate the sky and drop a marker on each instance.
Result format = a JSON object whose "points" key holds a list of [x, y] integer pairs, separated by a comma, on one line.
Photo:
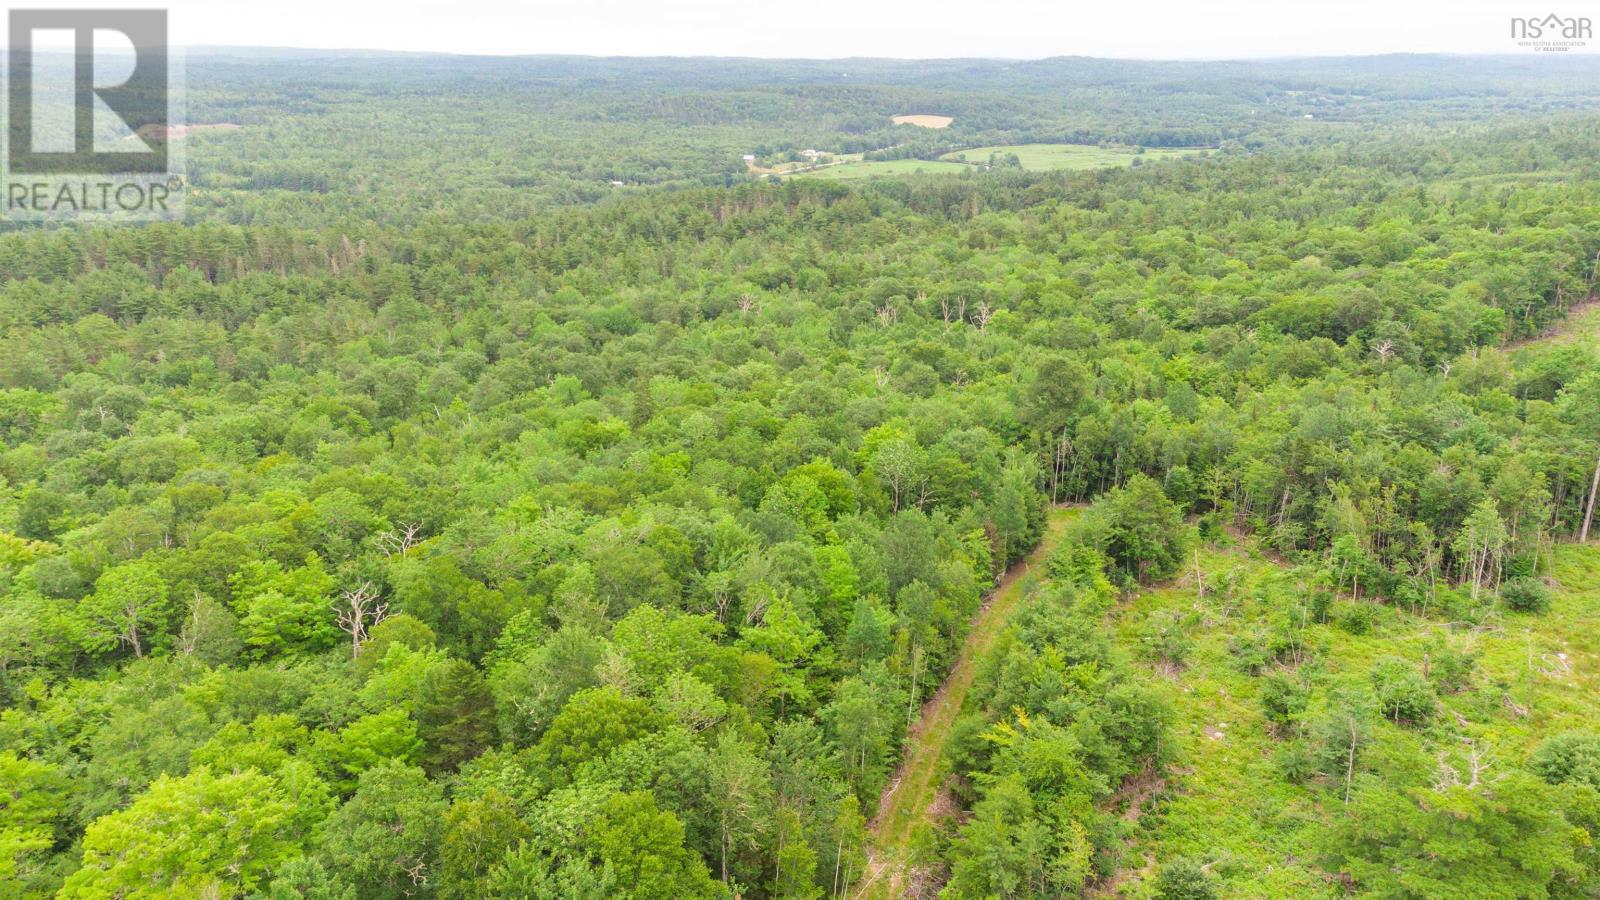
{"points": [[1020, 29]]}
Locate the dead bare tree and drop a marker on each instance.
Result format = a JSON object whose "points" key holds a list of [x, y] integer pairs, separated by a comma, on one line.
{"points": [[982, 315], [888, 315], [1352, 736], [1469, 776], [952, 314], [398, 541], [1588, 516], [188, 637], [1058, 464], [357, 612], [721, 594]]}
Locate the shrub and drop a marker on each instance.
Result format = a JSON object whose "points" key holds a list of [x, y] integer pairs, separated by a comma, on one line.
{"points": [[1320, 606], [1249, 650], [1358, 618], [1402, 693], [1287, 641], [1296, 761], [1283, 699], [1571, 757], [1166, 637], [1449, 667], [1184, 879], [1522, 565], [1525, 595], [1139, 529]]}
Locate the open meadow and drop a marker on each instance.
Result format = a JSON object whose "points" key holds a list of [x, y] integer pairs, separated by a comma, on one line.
{"points": [[1048, 157]]}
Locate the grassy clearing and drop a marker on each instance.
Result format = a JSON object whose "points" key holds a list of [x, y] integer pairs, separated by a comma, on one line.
{"points": [[923, 120], [907, 802], [889, 167], [1228, 803], [1581, 327], [1034, 157], [1227, 800], [1536, 675], [802, 166], [1045, 157]]}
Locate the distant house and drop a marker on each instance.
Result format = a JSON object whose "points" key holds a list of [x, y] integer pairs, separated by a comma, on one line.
{"points": [[749, 157], [812, 154], [1308, 116], [618, 183]]}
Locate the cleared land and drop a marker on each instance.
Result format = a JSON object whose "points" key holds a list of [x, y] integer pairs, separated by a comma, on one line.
{"points": [[1034, 157], [180, 131], [1043, 157], [1229, 803], [889, 167], [1227, 800], [1581, 326], [805, 166], [924, 121]]}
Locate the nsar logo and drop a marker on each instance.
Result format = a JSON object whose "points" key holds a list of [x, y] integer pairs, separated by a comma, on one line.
{"points": [[1552, 32]]}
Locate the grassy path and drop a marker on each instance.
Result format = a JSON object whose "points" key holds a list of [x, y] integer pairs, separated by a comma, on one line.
{"points": [[907, 801]]}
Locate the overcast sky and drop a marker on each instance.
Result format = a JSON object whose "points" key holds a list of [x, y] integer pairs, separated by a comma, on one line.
{"points": [[894, 28]]}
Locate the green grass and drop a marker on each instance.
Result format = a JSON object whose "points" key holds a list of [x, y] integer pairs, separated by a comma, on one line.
{"points": [[1034, 157], [800, 167], [1581, 326], [1044, 157], [1228, 804], [887, 167]]}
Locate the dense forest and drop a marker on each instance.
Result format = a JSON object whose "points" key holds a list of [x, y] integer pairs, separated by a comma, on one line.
{"points": [[396, 528], [353, 139]]}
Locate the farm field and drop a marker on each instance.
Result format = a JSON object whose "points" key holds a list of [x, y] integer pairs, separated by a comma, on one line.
{"points": [[924, 121], [1034, 157], [1046, 157], [801, 167], [874, 168]]}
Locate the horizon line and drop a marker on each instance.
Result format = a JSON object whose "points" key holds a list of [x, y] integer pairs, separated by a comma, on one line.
{"points": [[381, 51]]}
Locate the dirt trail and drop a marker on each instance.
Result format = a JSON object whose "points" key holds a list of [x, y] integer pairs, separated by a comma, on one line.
{"points": [[913, 788]]}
